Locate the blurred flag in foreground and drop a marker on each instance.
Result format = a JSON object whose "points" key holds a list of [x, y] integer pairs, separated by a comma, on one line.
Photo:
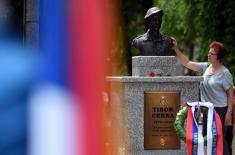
{"points": [[66, 112], [51, 117]]}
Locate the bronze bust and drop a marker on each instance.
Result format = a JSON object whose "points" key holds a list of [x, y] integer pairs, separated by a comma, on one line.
{"points": [[153, 43]]}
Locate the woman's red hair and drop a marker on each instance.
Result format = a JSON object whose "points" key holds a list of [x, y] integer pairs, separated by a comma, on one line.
{"points": [[219, 49]]}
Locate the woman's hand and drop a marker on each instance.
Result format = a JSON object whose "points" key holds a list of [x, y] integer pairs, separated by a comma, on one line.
{"points": [[175, 44], [228, 119]]}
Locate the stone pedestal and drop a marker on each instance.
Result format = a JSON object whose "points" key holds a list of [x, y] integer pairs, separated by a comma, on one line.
{"points": [[128, 105], [163, 65], [127, 101]]}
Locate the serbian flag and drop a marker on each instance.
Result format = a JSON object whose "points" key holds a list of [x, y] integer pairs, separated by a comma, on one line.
{"points": [[51, 109], [217, 143], [67, 107], [194, 138]]}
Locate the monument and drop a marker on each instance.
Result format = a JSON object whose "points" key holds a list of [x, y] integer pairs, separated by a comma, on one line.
{"points": [[145, 104], [153, 43]]}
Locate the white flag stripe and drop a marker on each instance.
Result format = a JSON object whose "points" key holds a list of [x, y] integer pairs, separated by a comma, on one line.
{"points": [[50, 122], [209, 126]]}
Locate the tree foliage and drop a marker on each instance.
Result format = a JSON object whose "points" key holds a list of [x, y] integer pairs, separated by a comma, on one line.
{"points": [[196, 23]]}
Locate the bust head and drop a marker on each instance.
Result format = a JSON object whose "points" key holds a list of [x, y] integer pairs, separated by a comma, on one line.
{"points": [[153, 18], [152, 42]]}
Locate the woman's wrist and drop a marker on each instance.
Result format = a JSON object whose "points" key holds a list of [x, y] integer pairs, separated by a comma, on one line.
{"points": [[177, 51], [230, 111]]}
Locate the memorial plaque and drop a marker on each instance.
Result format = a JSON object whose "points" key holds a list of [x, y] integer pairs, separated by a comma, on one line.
{"points": [[160, 109]]}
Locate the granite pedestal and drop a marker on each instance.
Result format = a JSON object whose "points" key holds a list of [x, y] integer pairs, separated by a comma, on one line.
{"points": [[127, 101], [161, 65]]}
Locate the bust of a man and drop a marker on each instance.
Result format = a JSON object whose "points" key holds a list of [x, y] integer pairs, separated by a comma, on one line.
{"points": [[153, 43]]}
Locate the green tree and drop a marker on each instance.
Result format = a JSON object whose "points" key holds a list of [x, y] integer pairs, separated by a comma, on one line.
{"points": [[196, 23], [218, 23]]}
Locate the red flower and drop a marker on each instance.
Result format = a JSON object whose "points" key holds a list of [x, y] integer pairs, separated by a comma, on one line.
{"points": [[185, 103], [152, 74]]}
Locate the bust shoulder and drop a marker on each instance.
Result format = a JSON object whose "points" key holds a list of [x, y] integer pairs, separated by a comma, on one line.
{"points": [[136, 41], [141, 37], [166, 38]]}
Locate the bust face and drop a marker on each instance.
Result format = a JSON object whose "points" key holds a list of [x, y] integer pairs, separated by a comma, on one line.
{"points": [[155, 22]]}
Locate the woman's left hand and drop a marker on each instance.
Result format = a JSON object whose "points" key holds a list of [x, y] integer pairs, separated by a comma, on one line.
{"points": [[175, 44], [228, 119]]}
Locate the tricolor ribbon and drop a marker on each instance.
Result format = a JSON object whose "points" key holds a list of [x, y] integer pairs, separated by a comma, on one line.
{"points": [[194, 138]]}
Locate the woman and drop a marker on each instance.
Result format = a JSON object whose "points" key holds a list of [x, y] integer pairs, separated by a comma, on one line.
{"points": [[217, 84]]}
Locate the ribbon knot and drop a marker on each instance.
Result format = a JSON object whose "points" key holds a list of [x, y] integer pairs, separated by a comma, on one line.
{"points": [[194, 137]]}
